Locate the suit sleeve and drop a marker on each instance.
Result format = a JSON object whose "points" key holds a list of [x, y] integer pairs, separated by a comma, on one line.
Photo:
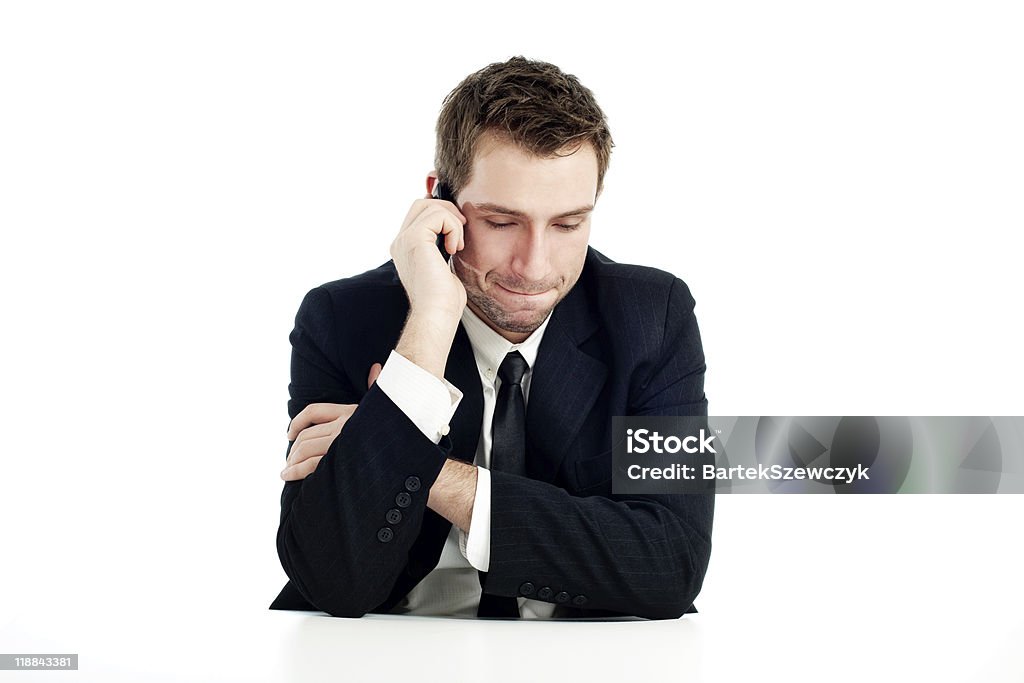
{"points": [[635, 555], [340, 540]]}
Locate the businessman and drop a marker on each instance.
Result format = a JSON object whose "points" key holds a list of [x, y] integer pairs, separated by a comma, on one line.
{"points": [[450, 443]]}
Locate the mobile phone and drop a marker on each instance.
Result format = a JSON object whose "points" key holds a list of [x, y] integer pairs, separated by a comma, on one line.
{"points": [[441, 191]]}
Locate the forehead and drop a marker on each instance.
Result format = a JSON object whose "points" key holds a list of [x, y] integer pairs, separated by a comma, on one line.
{"points": [[503, 173]]}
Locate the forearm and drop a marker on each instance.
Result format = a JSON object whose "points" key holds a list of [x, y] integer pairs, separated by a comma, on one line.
{"points": [[427, 339], [327, 539], [330, 539], [644, 556], [453, 493]]}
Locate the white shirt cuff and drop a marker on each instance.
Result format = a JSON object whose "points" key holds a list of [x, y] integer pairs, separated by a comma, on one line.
{"points": [[477, 548], [429, 402]]}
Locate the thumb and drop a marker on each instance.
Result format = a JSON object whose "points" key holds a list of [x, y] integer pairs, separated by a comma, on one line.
{"points": [[374, 373]]}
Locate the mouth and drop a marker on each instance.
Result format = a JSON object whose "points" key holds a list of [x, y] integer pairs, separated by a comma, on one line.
{"points": [[526, 294]]}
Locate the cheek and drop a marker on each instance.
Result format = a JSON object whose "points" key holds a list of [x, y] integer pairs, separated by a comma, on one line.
{"points": [[571, 254], [484, 248]]}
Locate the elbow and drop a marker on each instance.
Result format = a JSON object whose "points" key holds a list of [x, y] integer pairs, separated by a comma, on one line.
{"points": [[340, 603], [346, 609], [672, 606], [683, 585], [676, 600], [328, 585]]}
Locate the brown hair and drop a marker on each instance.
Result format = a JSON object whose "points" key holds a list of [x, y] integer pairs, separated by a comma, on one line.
{"points": [[529, 103]]}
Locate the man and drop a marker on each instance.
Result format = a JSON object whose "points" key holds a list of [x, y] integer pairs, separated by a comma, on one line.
{"points": [[473, 477]]}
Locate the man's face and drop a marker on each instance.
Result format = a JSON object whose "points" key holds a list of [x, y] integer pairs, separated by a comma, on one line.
{"points": [[527, 229]]}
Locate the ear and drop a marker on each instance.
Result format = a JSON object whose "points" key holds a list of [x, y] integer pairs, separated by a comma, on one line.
{"points": [[431, 182]]}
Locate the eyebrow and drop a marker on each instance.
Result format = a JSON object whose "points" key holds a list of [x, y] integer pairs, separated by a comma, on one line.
{"points": [[494, 208]]}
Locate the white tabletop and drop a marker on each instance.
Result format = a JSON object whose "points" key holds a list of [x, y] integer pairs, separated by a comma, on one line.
{"points": [[161, 643], [887, 588]]}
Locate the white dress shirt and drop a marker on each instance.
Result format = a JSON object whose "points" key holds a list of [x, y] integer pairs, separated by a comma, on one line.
{"points": [[453, 587]]}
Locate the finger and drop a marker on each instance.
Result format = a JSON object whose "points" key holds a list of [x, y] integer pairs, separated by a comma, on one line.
{"points": [[451, 242], [453, 208], [314, 413], [304, 445], [310, 448], [427, 227], [300, 471], [451, 227], [315, 431], [422, 207], [418, 207], [443, 211], [374, 374]]}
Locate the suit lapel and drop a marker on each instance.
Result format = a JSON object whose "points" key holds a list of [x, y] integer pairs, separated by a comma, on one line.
{"points": [[564, 385]]}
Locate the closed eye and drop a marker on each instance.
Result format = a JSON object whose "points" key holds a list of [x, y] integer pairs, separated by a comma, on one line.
{"points": [[567, 227]]}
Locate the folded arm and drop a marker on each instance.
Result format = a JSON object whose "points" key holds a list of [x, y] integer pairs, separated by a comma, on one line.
{"points": [[346, 530]]}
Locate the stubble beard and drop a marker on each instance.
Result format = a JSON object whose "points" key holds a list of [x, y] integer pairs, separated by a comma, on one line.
{"points": [[491, 309], [501, 318]]}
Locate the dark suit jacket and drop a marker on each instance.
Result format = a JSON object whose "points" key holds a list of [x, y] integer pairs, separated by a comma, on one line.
{"points": [[624, 341]]}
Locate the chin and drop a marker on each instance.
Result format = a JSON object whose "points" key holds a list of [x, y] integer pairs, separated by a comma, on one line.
{"points": [[525, 327], [524, 323], [521, 322]]}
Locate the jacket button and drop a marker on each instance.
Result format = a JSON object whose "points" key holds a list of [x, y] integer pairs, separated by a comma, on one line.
{"points": [[562, 597], [545, 593], [394, 516], [527, 588], [579, 600], [412, 484], [403, 500], [385, 534]]}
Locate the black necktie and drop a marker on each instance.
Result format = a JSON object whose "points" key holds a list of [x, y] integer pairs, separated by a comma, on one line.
{"points": [[508, 454]]}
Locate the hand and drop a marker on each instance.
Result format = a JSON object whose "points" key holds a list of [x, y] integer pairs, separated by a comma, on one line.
{"points": [[314, 430], [428, 280]]}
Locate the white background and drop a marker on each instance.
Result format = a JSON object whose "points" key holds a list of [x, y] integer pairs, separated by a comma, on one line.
{"points": [[839, 184]]}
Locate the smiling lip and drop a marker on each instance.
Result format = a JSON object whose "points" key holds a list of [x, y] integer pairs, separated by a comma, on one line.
{"points": [[512, 291]]}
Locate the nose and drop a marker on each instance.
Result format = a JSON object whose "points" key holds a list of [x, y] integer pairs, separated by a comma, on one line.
{"points": [[531, 260]]}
